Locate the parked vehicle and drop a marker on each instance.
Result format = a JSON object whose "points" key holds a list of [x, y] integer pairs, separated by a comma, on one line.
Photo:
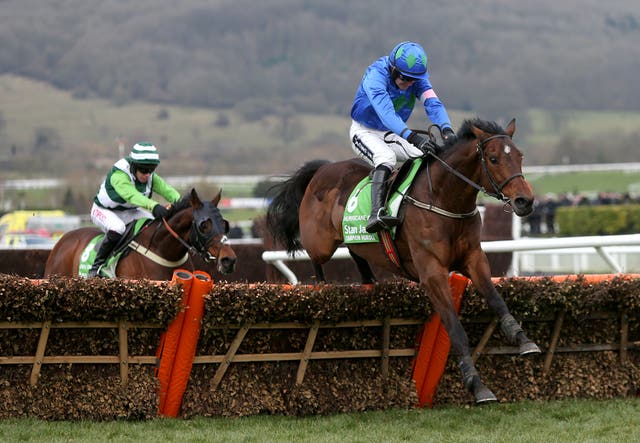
{"points": [[26, 240]]}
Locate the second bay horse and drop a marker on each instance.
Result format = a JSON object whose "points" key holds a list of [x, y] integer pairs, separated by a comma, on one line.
{"points": [[192, 226]]}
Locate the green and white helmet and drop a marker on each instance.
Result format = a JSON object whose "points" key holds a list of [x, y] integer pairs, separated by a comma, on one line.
{"points": [[144, 153]]}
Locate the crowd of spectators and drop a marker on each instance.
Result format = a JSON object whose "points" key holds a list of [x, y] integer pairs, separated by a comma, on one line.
{"points": [[543, 219]]}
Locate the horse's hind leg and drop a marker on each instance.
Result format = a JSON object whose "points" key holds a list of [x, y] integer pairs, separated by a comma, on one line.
{"points": [[472, 382], [460, 344], [317, 267], [366, 273]]}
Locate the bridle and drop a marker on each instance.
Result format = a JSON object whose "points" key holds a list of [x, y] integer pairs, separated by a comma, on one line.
{"points": [[198, 240], [496, 188]]}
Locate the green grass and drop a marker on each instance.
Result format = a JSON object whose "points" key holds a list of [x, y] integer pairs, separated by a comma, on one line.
{"points": [[545, 422], [589, 183]]}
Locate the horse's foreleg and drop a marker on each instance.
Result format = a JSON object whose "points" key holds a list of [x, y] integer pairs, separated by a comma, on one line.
{"points": [[480, 275], [366, 273], [516, 336], [440, 295]]}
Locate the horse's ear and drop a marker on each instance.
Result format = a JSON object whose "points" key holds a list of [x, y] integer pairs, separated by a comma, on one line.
{"points": [[479, 133], [511, 128], [195, 200], [216, 199]]}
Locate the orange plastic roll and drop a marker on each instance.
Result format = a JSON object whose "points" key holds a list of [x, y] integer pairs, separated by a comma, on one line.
{"points": [[202, 284], [433, 354], [166, 353]]}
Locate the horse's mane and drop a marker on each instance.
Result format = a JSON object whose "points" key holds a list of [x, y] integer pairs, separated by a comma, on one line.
{"points": [[465, 131], [183, 203]]}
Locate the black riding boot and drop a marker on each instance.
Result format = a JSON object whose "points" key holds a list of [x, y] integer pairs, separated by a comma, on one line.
{"points": [[379, 219], [108, 243]]}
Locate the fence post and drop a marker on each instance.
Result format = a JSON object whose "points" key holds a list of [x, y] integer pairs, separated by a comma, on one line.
{"points": [[124, 353], [42, 345]]}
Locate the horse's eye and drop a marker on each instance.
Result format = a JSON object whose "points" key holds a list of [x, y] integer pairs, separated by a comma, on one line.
{"points": [[205, 226], [493, 160]]}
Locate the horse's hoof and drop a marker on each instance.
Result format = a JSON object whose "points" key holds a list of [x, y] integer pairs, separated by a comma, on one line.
{"points": [[484, 395], [529, 348]]}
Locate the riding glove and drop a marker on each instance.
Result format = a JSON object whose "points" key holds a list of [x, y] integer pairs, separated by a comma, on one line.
{"points": [[160, 211], [421, 142], [449, 137]]}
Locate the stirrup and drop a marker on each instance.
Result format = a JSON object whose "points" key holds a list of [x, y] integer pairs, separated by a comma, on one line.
{"points": [[96, 273], [381, 221]]}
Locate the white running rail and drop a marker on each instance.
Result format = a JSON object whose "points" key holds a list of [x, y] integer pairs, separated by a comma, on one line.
{"points": [[599, 244]]}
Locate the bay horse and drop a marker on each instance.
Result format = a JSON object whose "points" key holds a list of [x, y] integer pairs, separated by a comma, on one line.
{"points": [[192, 226], [440, 227]]}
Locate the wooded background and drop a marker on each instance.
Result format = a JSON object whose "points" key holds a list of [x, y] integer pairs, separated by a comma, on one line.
{"points": [[489, 56]]}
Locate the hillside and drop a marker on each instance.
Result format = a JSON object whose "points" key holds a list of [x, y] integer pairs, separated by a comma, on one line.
{"points": [[46, 132]]}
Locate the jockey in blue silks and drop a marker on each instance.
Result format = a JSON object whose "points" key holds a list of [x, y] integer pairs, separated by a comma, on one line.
{"points": [[381, 107]]}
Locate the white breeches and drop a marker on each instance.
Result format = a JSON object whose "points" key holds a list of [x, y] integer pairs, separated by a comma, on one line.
{"points": [[380, 147], [108, 220]]}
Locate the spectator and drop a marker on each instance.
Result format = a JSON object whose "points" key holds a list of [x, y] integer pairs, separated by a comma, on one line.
{"points": [[582, 200], [257, 228], [548, 210], [235, 232], [534, 219], [564, 200], [603, 199]]}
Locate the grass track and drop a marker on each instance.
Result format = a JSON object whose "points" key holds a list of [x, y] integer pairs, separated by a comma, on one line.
{"points": [[558, 421]]}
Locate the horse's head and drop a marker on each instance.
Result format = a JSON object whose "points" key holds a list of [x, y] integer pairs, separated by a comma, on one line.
{"points": [[209, 233], [502, 166]]}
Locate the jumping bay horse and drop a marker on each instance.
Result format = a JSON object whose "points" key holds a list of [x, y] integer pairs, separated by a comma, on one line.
{"points": [[439, 232], [192, 226]]}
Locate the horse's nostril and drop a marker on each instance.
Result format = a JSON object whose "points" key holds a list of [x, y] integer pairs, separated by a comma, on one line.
{"points": [[523, 202], [523, 206], [228, 264]]}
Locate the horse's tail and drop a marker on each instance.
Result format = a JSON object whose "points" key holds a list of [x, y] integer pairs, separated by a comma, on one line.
{"points": [[282, 213]]}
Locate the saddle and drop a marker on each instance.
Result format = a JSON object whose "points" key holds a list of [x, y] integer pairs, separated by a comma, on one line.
{"points": [[131, 231], [358, 207], [120, 251], [399, 175]]}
